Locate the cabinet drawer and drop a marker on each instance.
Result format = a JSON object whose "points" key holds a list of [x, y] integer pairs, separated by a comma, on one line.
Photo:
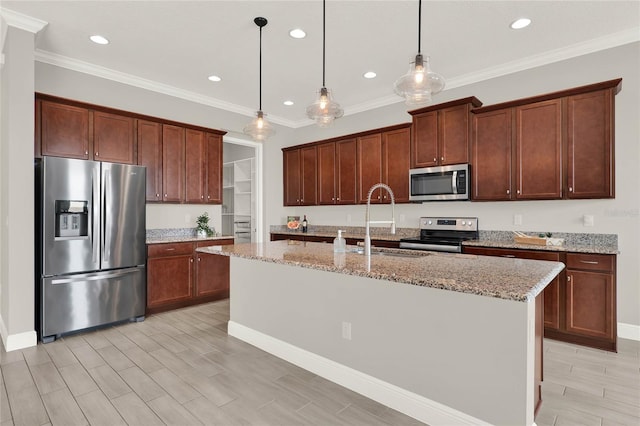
{"points": [[513, 253], [169, 249], [591, 262]]}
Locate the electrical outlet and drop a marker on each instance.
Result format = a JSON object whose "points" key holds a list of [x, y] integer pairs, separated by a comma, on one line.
{"points": [[517, 219], [587, 220], [346, 330]]}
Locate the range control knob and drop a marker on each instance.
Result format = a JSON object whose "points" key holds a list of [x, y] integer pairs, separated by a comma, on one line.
{"points": [[464, 223]]}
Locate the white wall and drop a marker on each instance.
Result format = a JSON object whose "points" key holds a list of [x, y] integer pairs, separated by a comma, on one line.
{"points": [[17, 289], [617, 216]]}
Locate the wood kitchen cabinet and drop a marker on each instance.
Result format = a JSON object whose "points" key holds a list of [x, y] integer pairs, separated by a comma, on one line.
{"points": [[300, 176], [384, 157], [149, 135], [213, 145], [178, 276], [114, 138], [64, 130], [441, 133], [553, 146], [591, 297], [516, 153], [579, 304], [590, 150], [173, 163], [337, 172], [195, 152]]}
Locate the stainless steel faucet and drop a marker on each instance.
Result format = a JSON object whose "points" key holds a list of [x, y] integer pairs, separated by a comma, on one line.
{"points": [[367, 237]]}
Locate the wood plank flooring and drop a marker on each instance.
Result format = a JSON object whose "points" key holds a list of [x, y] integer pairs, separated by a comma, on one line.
{"points": [[181, 368]]}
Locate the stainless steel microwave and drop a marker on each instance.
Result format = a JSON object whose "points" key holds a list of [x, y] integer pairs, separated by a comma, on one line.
{"points": [[440, 183]]}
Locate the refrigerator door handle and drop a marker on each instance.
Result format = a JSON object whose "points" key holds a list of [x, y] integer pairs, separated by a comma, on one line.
{"points": [[96, 277], [106, 227], [95, 226]]}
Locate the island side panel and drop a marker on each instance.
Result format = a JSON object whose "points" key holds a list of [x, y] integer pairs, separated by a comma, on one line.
{"points": [[471, 353]]}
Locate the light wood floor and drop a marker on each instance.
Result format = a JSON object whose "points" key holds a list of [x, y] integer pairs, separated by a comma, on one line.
{"points": [[181, 368]]}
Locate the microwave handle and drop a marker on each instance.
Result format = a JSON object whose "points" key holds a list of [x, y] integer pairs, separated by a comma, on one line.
{"points": [[454, 182]]}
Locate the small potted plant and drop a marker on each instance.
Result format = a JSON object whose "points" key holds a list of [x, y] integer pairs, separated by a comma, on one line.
{"points": [[202, 228]]}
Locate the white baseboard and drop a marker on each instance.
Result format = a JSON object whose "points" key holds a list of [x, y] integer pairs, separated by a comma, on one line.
{"points": [[15, 342], [409, 403], [629, 331]]}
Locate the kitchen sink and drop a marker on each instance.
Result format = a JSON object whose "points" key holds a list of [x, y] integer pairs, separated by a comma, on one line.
{"points": [[392, 252]]}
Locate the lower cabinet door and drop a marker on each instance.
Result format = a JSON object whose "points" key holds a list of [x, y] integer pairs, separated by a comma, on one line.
{"points": [[213, 274], [589, 304], [170, 280]]}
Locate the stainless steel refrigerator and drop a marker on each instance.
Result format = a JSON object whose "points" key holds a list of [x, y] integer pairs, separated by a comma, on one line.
{"points": [[90, 244]]}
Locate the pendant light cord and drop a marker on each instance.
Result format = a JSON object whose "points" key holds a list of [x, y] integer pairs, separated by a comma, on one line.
{"points": [[260, 84], [323, 40], [419, 23]]}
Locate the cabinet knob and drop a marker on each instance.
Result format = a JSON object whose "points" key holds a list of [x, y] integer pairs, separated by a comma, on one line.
{"points": [[86, 153], [202, 197], [435, 159], [568, 277], [157, 195], [96, 154], [165, 195], [338, 199], [441, 158], [518, 191], [508, 192], [571, 189], [333, 198], [191, 260], [198, 259], [208, 197]]}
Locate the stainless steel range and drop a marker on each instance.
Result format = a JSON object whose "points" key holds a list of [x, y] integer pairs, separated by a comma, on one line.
{"points": [[443, 234]]}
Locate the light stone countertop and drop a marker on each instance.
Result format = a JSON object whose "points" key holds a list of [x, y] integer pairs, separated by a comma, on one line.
{"points": [[184, 239], [505, 278], [573, 248]]}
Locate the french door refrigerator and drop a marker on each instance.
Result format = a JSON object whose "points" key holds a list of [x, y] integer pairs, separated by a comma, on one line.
{"points": [[90, 244]]}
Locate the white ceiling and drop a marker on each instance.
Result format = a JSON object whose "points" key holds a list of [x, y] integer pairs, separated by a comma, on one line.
{"points": [[172, 46]]}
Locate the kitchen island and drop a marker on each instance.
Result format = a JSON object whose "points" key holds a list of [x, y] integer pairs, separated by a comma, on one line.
{"points": [[445, 338]]}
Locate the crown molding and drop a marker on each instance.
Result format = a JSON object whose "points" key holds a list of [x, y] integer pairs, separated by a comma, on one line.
{"points": [[590, 46], [21, 21], [142, 83]]}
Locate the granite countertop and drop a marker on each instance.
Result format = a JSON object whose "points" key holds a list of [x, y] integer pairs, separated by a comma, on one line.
{"points": [[574, 242], [179, 235], [511, 279], [183, 239], [377, 233]]}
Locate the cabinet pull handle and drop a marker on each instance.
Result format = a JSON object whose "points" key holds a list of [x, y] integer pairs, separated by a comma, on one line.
{"points": [[507, 255], [589, 262], [568, 277], [170, 249]]}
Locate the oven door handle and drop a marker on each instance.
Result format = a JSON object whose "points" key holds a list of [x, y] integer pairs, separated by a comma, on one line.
{"points": [[431, 247]]}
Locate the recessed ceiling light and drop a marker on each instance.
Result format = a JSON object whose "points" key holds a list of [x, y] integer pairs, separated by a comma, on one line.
{"points": [[521, 23], [214, 78], [369, 74], [288, 103], [98, 39], [297, 33]]}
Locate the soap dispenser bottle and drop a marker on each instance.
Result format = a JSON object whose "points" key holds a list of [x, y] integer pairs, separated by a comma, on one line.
{"points": [[339, 243]]}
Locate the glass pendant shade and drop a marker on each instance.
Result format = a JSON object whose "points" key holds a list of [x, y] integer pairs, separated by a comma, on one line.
{"points": [[324, 110], [420, 83], [259, 128]]}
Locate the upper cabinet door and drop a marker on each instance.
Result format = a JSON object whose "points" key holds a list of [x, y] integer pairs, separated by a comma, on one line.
{"points": [[396, 148], [346, 166], [150, 156], [173, 163], [64, 130], [214, 168], [425, 140], [590, 151], [453, 125], [194, 166], [491, 150], [308, 173], [369, 167], [539, 150], [291, 169], [113, 138], [327, 173]]}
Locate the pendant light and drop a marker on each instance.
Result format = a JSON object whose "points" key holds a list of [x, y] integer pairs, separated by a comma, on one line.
{"points": [[420, 83], [324, 110], [259, 129]]}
